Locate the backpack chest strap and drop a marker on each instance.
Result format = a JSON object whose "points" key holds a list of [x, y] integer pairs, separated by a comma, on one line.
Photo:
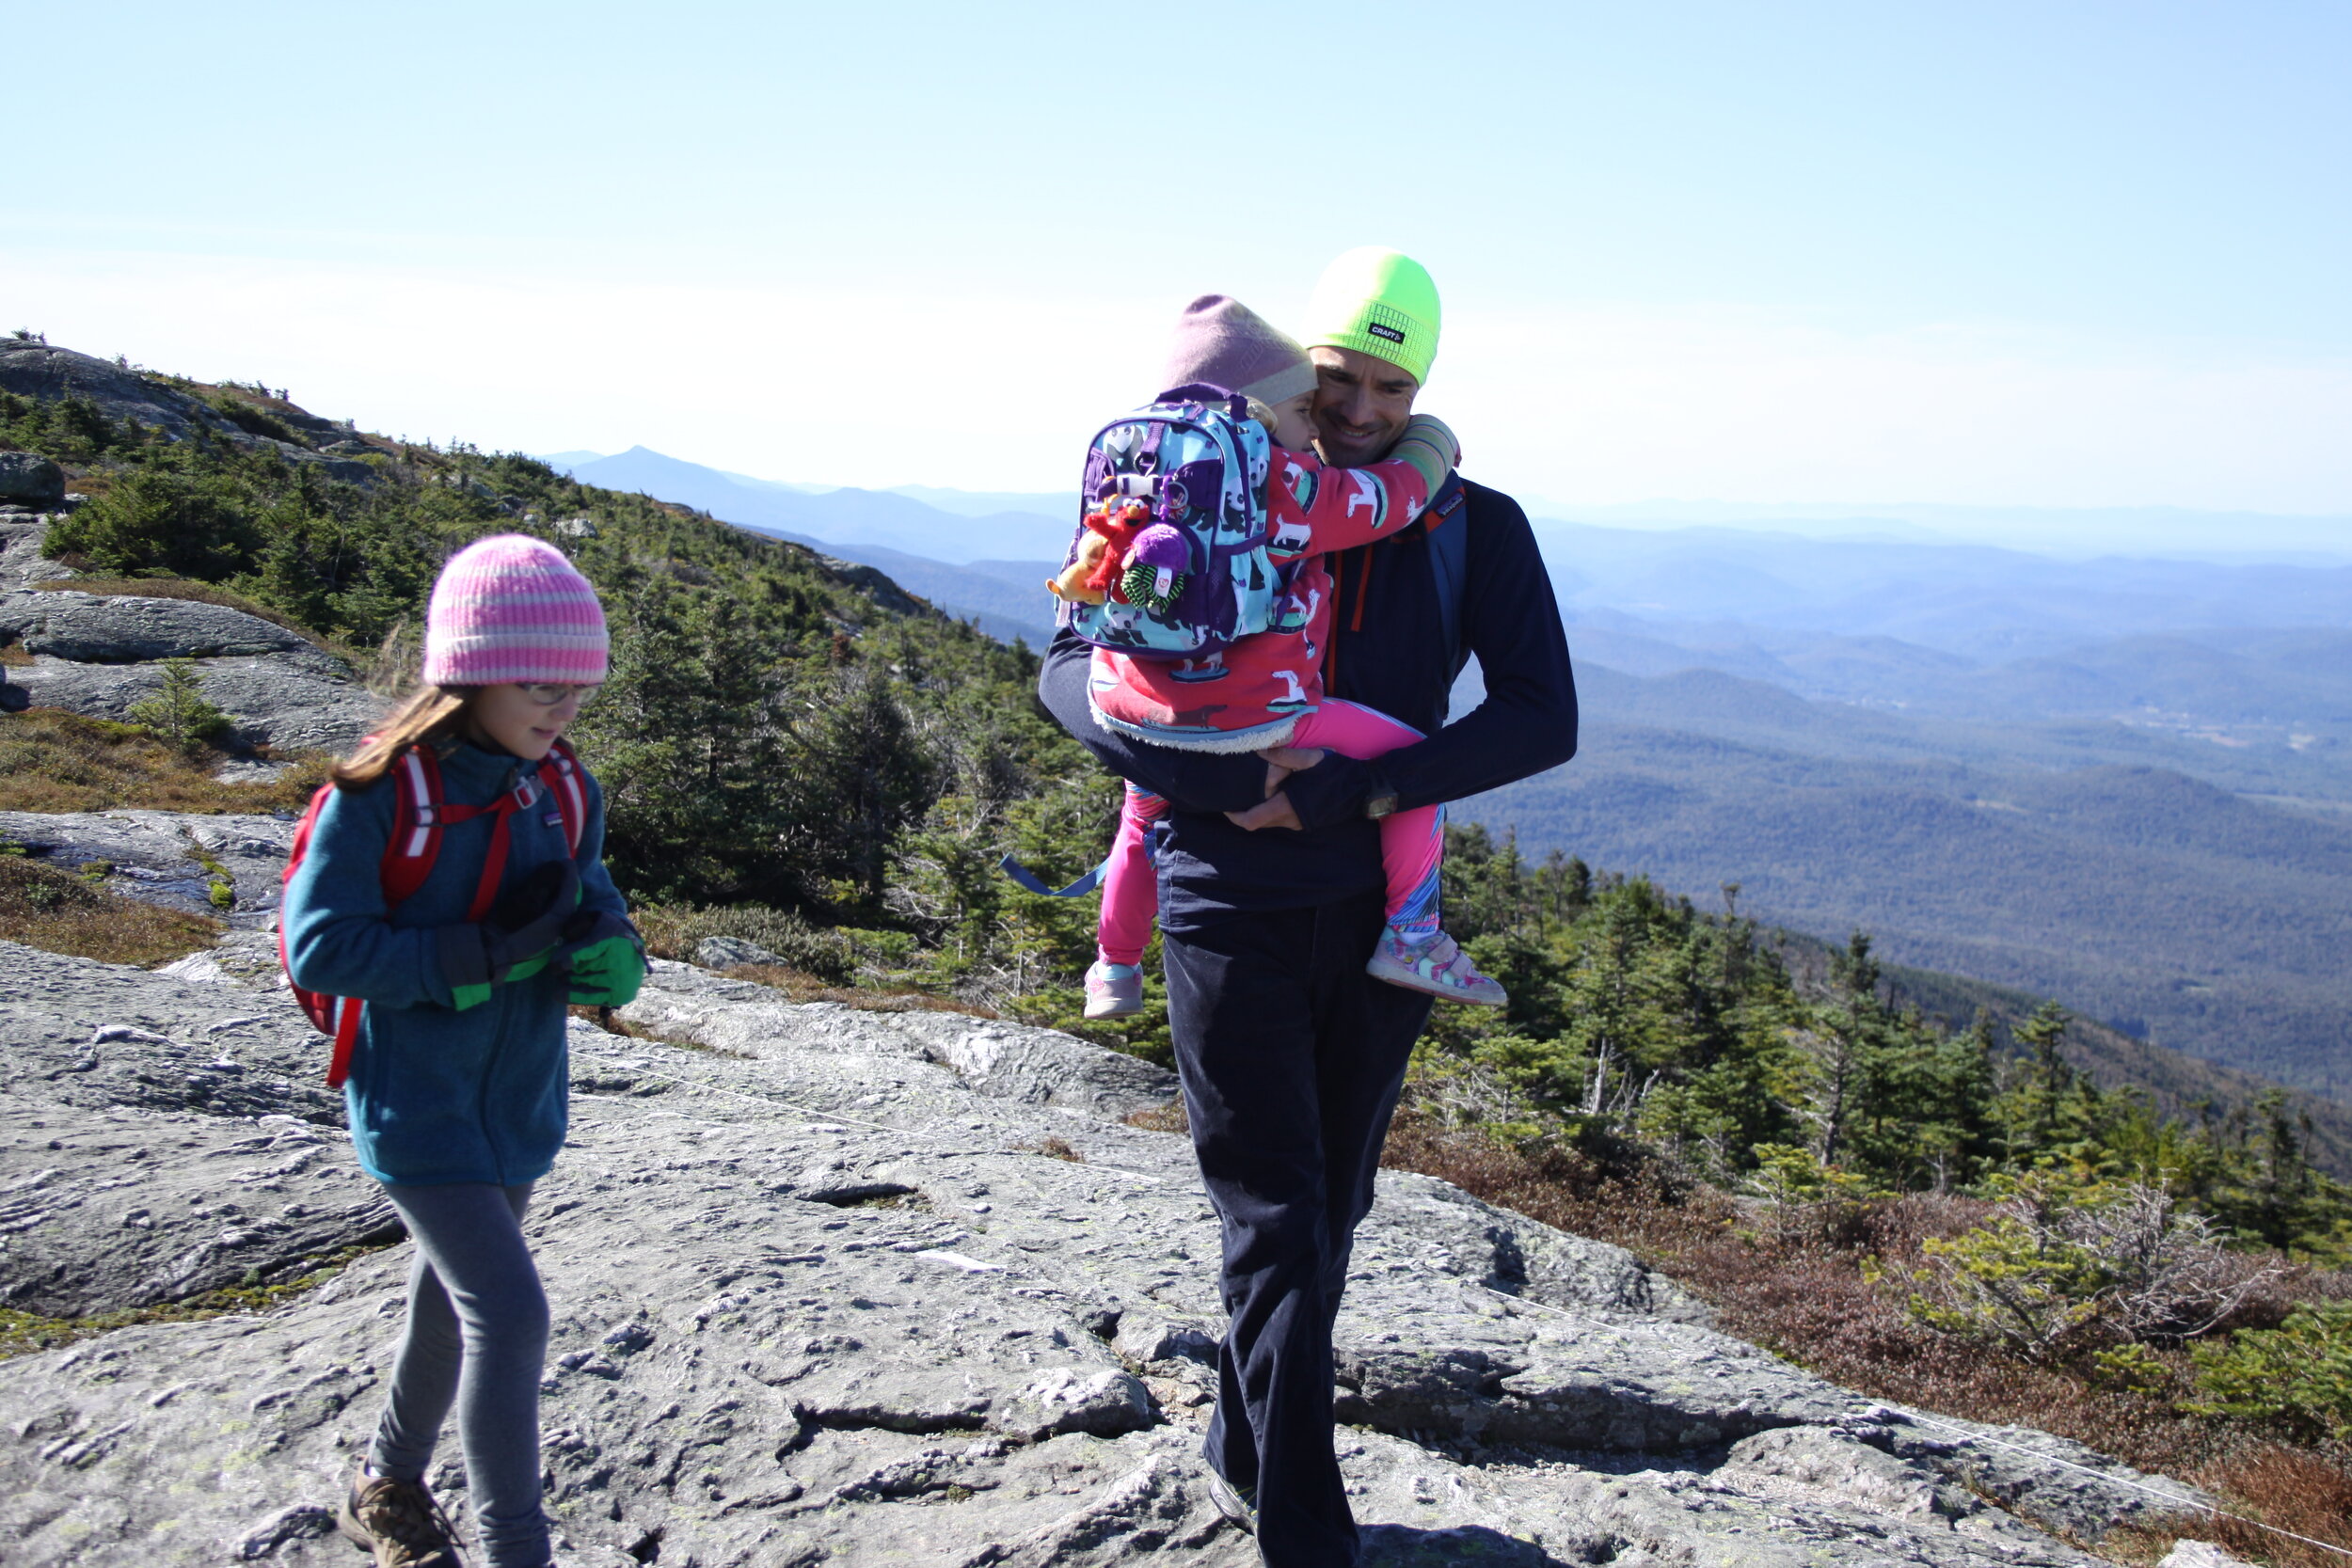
{"points": [[502, 812]]}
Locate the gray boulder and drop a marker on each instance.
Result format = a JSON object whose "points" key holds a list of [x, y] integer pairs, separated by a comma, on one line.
{"points": [[98, 654], [289, 702], [730, 951], [93, 629], [129, 1207], [27, 479], [1010, 1061]]}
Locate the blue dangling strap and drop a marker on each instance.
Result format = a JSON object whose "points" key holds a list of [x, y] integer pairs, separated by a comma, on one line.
{"points": [[1028, 878]]}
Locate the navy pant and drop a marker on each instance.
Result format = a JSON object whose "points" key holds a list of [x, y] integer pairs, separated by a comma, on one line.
{"points": [[1291, 1058]]}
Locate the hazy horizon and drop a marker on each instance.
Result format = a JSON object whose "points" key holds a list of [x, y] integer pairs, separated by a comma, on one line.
{"points": [[2099, 531], [2000, 256]]}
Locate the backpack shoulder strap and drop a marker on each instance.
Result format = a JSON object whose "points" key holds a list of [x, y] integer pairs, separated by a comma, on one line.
{"points": [[1447, 526], [567, 781], [416, 814], [409, 857]]}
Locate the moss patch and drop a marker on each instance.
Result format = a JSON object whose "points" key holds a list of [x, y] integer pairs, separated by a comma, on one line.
{"points": [[23, 1333]]}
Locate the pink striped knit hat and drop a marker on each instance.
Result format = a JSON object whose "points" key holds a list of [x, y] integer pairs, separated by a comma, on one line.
{"points": [[510, 608]]}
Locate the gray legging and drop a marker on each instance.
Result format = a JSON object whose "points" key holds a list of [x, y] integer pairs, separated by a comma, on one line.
{"points": [[476, 1338]]}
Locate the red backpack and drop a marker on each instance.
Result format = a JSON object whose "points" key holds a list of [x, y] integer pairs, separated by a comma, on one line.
{"points": [[418, 816]]}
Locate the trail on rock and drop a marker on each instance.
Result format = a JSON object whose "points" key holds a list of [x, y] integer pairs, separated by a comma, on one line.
{"points": [[820, 1297]]}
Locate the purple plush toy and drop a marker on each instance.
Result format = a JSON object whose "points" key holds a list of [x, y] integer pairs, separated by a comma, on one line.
{"points": [[1155, 568]]}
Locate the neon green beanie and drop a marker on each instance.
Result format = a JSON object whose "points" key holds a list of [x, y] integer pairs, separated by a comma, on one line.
{"points": [[1377, 301]]}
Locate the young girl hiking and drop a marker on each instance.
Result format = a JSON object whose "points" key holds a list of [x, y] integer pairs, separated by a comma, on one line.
{"points": [[457, 1078], [1262, 690]]}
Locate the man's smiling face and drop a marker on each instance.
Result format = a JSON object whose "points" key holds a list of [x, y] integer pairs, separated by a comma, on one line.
{"points": [[1361, 405]]}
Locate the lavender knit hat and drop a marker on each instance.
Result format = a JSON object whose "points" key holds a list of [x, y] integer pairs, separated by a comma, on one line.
{"points": [[510, 608], [1225, 343]]}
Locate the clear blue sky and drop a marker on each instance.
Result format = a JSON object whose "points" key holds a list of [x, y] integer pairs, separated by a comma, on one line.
{"points": [[2066, 254]]}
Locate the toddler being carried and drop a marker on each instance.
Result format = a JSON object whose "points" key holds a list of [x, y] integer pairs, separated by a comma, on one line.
{"points": [[1198, 577]]}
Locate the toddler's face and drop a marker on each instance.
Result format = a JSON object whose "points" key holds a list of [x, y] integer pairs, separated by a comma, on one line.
{"points": [[1294, 423]]}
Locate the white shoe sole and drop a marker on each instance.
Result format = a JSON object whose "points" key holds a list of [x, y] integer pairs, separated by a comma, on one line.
{"points": [[1486, 993]]}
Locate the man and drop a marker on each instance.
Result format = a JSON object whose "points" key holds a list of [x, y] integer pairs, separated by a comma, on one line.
{"points": [[1271, 903]]}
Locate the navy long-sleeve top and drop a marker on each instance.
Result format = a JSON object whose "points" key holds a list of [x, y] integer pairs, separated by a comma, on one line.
{"points": [[1387, 652]]}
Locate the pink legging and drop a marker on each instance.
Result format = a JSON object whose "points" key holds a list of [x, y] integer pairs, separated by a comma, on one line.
{"points": [[1412, 843]]}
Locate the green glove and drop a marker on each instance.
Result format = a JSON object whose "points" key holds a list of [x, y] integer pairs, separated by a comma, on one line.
{"points": [[605, 959], [462, 997], [1429, 447], [608, 974], [516, 939]]}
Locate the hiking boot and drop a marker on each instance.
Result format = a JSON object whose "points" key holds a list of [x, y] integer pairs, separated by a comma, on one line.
{"points": [[1239, 1504], [1114, 991], [398, 1521], [1433, 964]]}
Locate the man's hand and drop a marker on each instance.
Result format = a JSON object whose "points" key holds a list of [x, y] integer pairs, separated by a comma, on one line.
{"points": [[1275, 810]]}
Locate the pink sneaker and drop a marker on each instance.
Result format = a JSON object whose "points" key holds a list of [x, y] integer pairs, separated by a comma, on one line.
{"points": [[1435, 965], [1114, 991]]}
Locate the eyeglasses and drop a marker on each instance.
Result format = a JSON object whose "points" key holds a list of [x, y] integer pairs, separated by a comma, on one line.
{"points": [[548, 694]]}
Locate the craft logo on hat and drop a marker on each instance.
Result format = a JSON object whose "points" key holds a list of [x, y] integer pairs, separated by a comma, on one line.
{"points": [[1386, 322]]}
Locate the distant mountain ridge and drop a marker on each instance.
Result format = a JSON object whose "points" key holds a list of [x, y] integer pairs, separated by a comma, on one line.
{"points": [[845, 516], [2126, 782]]}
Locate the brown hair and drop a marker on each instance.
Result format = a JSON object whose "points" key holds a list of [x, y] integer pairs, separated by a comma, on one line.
{"points": [[432, 714]]}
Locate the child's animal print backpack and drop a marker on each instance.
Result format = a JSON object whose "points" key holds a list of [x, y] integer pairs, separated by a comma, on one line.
{"points": [[1170, 558]]}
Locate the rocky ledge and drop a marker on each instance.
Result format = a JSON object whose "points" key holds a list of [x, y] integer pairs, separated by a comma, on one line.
{"points": [[836, 1287], [101, 655]]}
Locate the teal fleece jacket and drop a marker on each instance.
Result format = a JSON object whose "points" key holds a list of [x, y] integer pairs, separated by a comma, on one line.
{"points": [[437, 1096]]}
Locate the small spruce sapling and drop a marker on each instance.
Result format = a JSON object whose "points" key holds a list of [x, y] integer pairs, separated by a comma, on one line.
{"points": [[177, 714]]}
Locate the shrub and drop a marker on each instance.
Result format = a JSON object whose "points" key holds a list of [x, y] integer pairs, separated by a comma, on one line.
{"points": [[2057, 1270], [1802, 1197], [676, 930], [2297, 1376], [150, 518]]}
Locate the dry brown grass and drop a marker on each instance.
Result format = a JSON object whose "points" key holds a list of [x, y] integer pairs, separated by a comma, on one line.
{"points": [[1803, 1293], [58, 912], [2293, 1492], [1170, 1117], [56, 761], [2290, 1490], [14, 656], [180, 588]]}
